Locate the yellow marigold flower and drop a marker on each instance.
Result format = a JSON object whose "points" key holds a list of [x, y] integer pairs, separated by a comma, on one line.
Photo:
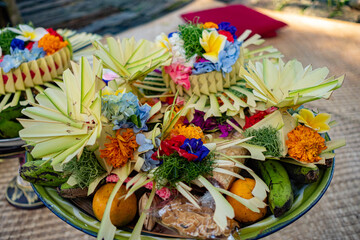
{"points": [[305, 144], [120, 149], [187, 131], [212, 42], [210, 25], [320, 123], [51, 43]]}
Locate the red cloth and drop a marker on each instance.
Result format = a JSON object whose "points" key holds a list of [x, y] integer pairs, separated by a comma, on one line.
{"points": [[241, 17]]}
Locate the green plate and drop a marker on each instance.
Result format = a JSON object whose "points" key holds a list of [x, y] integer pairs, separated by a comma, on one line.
{"points": [[305, 198]]}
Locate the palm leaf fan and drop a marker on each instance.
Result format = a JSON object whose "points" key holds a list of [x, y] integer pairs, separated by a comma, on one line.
{"points": [[132, 60], [66, 119], [286, 85]]}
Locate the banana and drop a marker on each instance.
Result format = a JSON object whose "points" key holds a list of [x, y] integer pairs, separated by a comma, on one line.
{"points": [[42, 173], [301, 174], [275, 176]]}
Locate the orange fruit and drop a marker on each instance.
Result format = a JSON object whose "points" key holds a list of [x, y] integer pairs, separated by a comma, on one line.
{"points": [[122, 211], [243, 188]]}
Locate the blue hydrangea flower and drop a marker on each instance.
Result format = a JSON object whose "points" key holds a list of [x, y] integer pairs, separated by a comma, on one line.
{"points": [[196, 147], [203, 67], [144, 115], [9, 62], [35, 53], [227, 27], [18, 56], [227, 58], [144, 143], [125, 111], [150, 163], [17, 43]]}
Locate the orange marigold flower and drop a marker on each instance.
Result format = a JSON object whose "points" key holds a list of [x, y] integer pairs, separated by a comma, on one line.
{"points": [[187, 131], [210, 25], [121, 148], [51, 43], [305, 144]]}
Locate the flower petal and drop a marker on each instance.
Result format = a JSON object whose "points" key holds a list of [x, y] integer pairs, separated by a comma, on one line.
{"points": [[25, 28], [321, 127], [15, 30], [213, 57], [22, 38], [322, 118], [39, 33], [306, 114]]}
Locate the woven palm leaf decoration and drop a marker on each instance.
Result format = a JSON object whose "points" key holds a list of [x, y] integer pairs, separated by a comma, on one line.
{"points": [[66, 119], [36, 75]]}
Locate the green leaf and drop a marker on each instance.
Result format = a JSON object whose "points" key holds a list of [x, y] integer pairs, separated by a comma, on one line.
{"points": [[136, 120]]}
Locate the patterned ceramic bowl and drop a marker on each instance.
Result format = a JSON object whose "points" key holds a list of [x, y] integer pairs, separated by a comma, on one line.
{"points": [[305, 197]]}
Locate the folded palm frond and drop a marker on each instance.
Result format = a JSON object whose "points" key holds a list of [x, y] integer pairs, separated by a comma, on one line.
{"points": [[285, 85], [131, 60], [67, 118]]}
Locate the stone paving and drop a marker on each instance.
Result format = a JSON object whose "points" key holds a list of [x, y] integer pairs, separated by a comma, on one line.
{"points": [[101, 17]]}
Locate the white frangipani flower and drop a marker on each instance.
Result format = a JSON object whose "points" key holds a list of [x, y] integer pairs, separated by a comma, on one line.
{"points": [[28, 33]]}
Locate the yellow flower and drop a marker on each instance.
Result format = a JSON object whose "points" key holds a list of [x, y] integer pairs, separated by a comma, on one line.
{"points": [[109, 91], [212, 43], [163, 41], [187, 131], [320, 123], [210, 25]]}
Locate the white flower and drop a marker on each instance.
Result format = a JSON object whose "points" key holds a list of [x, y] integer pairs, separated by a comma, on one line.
{"points": [[163, 41], [178, 51], [28, 33]]}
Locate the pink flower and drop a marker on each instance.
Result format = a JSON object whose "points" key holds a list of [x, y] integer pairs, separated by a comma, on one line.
{"points": [[112, 178], [179, 74], [164, 193]]}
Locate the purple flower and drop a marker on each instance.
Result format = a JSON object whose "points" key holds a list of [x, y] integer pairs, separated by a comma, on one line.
{"points": [[212, 123], [226, 128], [198, 120], [196, 147], [227, 27]]}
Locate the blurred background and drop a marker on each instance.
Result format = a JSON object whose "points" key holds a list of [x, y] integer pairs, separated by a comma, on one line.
{"points": [[114, 16]]}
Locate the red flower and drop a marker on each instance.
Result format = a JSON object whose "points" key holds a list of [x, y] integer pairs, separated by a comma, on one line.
{"points": [[168, 147], [227, 34], [170, 100], [30, 45], [257, 117], [54, 33]]}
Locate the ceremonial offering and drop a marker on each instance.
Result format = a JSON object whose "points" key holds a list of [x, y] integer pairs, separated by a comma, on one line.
{"points": [[195, 135], [30, 59]]}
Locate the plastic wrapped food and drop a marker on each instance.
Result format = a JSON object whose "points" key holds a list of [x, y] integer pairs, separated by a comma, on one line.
{"points": [[190, 221]]}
